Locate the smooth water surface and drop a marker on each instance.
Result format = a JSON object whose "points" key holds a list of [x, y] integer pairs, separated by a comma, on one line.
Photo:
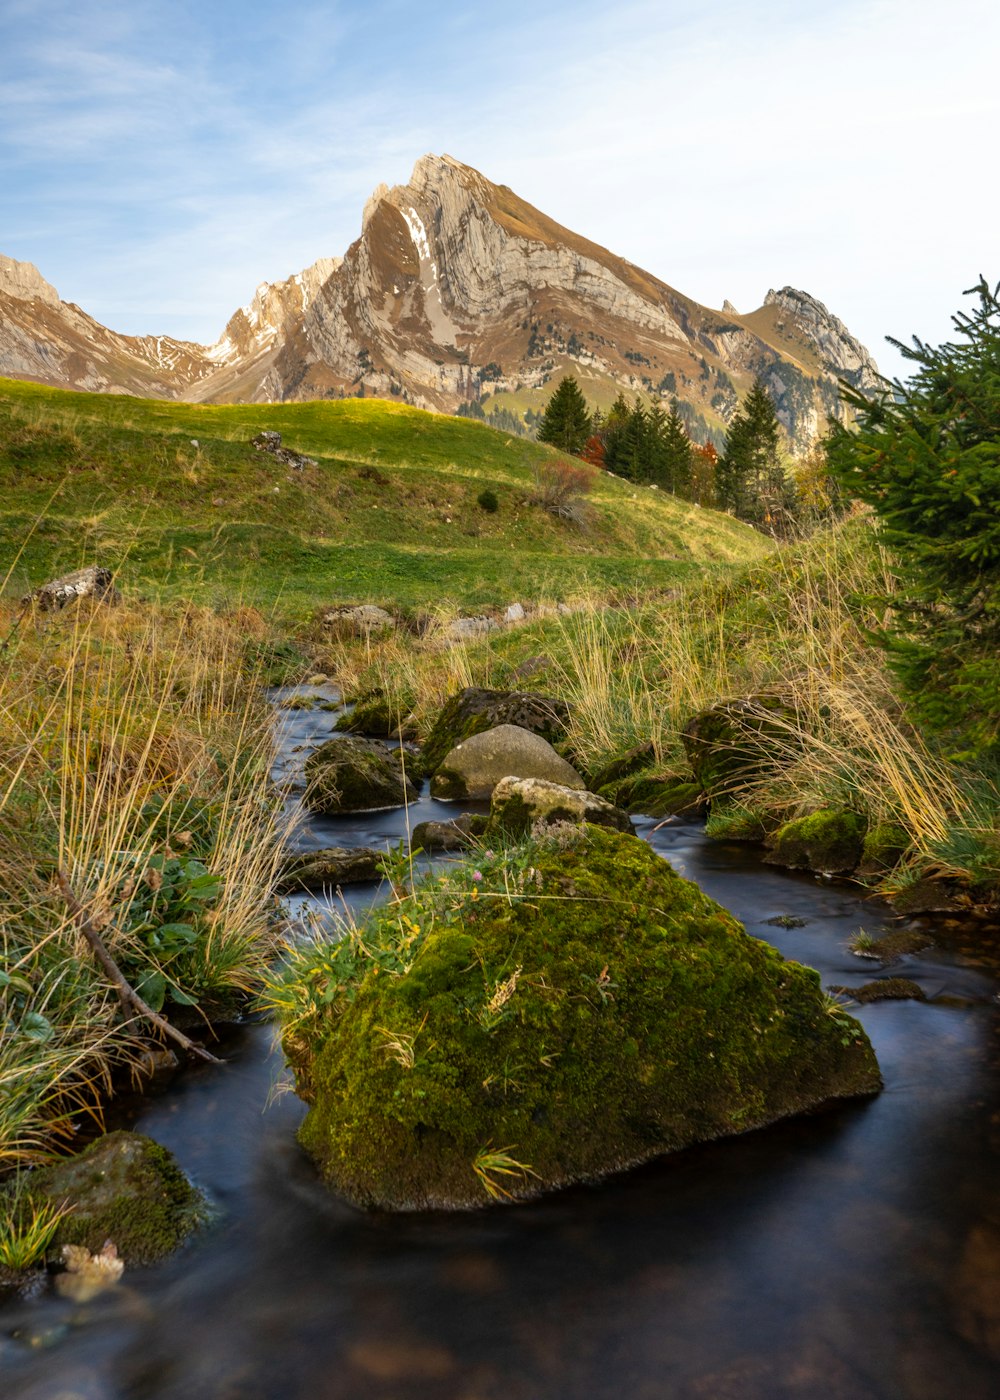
{"points": [[854, 1253]]}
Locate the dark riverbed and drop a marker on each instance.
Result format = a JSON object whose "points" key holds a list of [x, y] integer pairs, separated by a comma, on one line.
{"points": [[853, 1254]]}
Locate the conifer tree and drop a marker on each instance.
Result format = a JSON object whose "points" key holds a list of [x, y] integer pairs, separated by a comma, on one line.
{"points": [[614, 433], [566, 421], [676, 452], [750, 478], [927, 457]]}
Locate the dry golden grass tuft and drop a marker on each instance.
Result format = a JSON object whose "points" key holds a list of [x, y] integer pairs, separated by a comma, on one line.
{"points": [[134, 746]]}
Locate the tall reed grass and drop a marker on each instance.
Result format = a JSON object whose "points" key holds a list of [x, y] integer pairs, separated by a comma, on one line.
{"points": [[799, 623], [134, 759]]}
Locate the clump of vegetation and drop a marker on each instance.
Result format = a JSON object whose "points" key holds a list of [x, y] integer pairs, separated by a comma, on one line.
{"points": [[27, 1225], [137, 846], [489, 501]]}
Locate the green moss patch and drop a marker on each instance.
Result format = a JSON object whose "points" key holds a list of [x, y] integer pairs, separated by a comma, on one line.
{"points": [[569, 1011], [830, 841], [125, 1188]]}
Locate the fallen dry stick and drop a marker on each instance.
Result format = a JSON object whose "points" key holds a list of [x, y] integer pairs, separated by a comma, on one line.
{"points": [[130, 998]]}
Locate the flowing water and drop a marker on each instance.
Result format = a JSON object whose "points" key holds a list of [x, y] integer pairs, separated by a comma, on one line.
{"points": [[852, 1254]]}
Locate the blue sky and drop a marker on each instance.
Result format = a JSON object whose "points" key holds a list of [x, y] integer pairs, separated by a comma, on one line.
{"points": [[159, 158]]}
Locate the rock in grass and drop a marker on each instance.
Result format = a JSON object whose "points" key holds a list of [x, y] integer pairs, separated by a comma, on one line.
{"points": [[608, 1014], [333, 865], [92, 582], [364, 620], [519, 804], [829, 841], [356, 775], [475, 709], [473, 768], [884, 846], [124, 1188]]}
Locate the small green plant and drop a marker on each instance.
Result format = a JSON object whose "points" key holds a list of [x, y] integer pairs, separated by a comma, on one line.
{"points": [[26, 1226], [491, 1163], [836, 1008], [862, 944], [488, 501], [167, 903]]}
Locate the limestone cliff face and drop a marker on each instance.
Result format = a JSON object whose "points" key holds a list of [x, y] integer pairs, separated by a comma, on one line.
{"points": [[24, 281], [459, 291], [840, 352]]}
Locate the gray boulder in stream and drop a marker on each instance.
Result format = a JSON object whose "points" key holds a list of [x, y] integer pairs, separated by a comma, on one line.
{"points": [[520, 804], [473, 768], [475, 709], [352, 774]]}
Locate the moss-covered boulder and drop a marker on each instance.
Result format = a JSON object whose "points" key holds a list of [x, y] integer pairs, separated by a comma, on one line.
{"points": [[330, 866], [473, 768], [733, 743], [378, 716], [884, 846], [573, 1013], [829, 841], [351, 774], [476, 709], [655, 794], [521, 804], [625, 764], [125, 1188]]}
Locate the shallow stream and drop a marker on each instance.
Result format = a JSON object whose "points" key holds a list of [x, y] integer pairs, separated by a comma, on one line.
{"points": [[854, 1253]]}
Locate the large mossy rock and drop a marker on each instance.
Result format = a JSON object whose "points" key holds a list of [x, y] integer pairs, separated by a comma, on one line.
{"points": [[830, 841], [475, 709], [125, 1188], [473, 768], [520, 804], [735, 742], [356, 775], [607, 1014]]}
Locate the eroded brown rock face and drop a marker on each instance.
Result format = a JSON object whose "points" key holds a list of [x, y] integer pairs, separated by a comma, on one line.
{"points": [[456, 289]]}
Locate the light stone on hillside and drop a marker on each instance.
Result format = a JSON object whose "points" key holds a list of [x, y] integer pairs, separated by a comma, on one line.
{"points": [[473, 768], [467, 629], [360, 621]]}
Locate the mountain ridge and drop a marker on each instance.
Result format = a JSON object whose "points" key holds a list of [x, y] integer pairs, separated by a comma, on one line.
{"points": [[458, 292]]}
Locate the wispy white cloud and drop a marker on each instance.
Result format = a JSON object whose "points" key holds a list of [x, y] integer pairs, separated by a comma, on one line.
{"points": [[159, 158]]}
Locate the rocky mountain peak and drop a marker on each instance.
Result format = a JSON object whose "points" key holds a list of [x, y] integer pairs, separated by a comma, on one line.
{"points": [[24, 281], [458, 295], [840, 352]]}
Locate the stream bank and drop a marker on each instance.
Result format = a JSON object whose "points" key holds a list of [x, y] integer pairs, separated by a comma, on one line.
{"points": [[848, 1253]]}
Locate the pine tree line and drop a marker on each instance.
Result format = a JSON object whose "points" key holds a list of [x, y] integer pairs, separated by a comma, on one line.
{"points": [[646, 443]]}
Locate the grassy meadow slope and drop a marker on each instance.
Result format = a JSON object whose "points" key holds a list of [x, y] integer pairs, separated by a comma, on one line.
{"points": [[174, 497]]}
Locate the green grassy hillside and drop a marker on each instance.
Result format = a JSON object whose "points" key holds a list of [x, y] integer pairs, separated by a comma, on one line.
{"points": [[173, 496]]}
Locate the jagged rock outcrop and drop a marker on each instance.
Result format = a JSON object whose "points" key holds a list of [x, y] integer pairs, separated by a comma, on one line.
{"points": [[458, 292]]}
